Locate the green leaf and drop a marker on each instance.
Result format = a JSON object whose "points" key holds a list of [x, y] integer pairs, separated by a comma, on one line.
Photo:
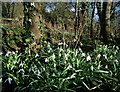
{"points": [[101, 71], [72, 76]]}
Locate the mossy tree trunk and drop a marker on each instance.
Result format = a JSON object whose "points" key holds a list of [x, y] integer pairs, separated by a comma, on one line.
{"points": [[33, 19]]}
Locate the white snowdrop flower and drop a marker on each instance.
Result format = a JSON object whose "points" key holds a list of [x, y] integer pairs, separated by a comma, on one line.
{"points": [[117, 47], [83, 55], [53, 56], [92, 68], [60, 43], [106, 66], [29, 53], [69, 67], [33, 4], [45, 42], [88, 58], [80, 49], [9, 80], [21, 70], [36, 55], [66, 57], [21, 65], [1, 53], [48, 51], [8, 53], [116, 61], [13, 53], [30, 20], [81, 43], [105, 56], [99, 55], [74, 40], [46, 60], [16, 51]]}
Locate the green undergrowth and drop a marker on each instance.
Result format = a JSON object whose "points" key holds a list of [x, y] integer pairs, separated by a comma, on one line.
{"points": [[63, 70]]}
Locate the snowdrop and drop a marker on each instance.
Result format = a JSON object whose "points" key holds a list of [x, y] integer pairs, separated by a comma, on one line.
{"points": [[30, 20], [83, 55], [60, 43], [105, 56], [53, 57], [116, 61], [66, 57], [16, 51], [21, 65], [106, 66], [9, 80], [99, 55], [1, 53], [13, 53], [117, 47], [21, 70], [33, 4], [81, 44], [8, 53], [36, 55], [46, 60], [80, 49], [88, 58]]}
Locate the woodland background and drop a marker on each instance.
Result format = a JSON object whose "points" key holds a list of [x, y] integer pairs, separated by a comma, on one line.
{"points": [[60, 46]]}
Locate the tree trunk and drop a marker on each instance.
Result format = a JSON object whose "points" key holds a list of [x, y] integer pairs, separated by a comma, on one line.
{"points": [[33, 18], [91, 24], [76, 19], [104, 17], [105, 25], [8, 9], [32, 21], [13, 7]]}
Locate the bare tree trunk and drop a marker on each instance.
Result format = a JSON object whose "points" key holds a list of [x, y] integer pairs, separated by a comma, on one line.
{"points": [[76, 19], [105, 25], [91, 24], [80, 22], [108, 13], [104, 17]]}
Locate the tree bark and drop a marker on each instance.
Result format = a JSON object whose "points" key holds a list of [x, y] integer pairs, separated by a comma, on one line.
{"points": [[13, 7], [33, 18], [104, 17], [105, 25], [91, 24]]}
